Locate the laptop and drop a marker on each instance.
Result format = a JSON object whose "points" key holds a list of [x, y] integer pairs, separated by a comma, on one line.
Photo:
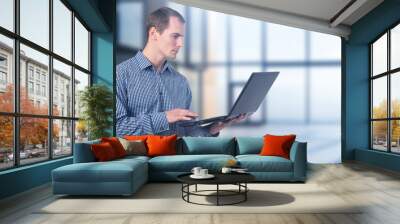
{"points": [[250, 98]]}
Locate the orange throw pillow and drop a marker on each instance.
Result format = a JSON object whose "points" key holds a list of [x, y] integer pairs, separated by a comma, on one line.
{"points": [[277, 145], [116, 145], [161, 145], [103, 152]]}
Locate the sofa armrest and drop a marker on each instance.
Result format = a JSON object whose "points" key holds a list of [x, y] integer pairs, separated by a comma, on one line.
{"points": [[83, 152], [298, 155]]}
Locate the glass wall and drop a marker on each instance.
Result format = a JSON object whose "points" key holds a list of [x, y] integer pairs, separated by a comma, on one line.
{"points": [[37, 82], [385, 94], [304, 100]]}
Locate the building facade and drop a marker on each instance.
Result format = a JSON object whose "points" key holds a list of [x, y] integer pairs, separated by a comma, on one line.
{"points": [[34, 81]]}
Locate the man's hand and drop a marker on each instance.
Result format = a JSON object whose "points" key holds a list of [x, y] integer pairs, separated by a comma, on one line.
{"points": [[180, 115], [217, 127]]}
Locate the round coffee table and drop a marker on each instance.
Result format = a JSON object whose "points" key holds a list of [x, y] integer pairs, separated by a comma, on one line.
{"points": [[238, 179]]}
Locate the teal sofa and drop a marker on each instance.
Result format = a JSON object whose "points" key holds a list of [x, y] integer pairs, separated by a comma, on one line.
{"points": [[125, 176]]}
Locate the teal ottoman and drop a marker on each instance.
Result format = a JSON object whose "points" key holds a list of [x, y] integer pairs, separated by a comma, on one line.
{"points": [[118, 177]]}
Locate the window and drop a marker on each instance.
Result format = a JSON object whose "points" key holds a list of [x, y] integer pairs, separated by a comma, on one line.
{"points": [[62, 130], [55, 101], [62, 31], [279, 36], [129, 14], [217, 31], [53, 125], [245, 31], [395, 47], [291, 82], [7, 14], [30, 72], [6, 73], [323, 86], [3, 72], [309, 65], [34, 22], [81, 81], [3, 78], [222, 52], [3, 61], [30, 87], [6, 143], [196, 41], [37, 74], [33, 150], [40, 62], [63, 74], [43, 90], [81, 45], [385, 95], [327, 42], [37, 89]]}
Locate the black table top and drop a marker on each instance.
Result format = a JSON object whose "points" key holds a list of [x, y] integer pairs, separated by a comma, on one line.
{"points": [[220, 178]]}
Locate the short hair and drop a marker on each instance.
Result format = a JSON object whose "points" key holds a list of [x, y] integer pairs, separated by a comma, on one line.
{"points": [[159, 19]]}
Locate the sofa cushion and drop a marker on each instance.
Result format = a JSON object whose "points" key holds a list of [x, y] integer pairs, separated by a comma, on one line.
{"points": [[249, 145], [112, 171], [207, 145], [161, 145], [131, 158], [103, 152], [275, 145], [257, 163], [83, 152], [134, 147], [93, 172], [185, 163], [116, 145]]}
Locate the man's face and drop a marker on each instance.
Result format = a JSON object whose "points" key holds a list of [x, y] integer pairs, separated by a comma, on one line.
{"points": [[171, 39]]}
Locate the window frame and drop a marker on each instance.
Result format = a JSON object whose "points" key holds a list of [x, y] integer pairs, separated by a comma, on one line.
{"points": [[388, 74], [16, 115]]}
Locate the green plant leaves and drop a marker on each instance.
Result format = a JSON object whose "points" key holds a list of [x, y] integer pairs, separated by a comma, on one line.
{"points": [[97, 104]]}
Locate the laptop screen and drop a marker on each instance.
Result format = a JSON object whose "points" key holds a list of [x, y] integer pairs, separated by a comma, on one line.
{"points": [[253, 93]]}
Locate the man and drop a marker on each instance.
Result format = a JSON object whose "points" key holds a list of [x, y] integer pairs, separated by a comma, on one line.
{"points": [[152, 97]]}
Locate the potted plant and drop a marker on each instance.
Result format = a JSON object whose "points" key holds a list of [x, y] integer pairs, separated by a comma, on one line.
{"points": [[96, 102]]}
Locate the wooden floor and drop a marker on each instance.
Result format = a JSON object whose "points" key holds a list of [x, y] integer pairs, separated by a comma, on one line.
{"points": [[378, 188]]}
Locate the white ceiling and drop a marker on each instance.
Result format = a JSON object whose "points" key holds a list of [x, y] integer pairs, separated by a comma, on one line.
{"points": [[315, 15], [321, 9]]}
